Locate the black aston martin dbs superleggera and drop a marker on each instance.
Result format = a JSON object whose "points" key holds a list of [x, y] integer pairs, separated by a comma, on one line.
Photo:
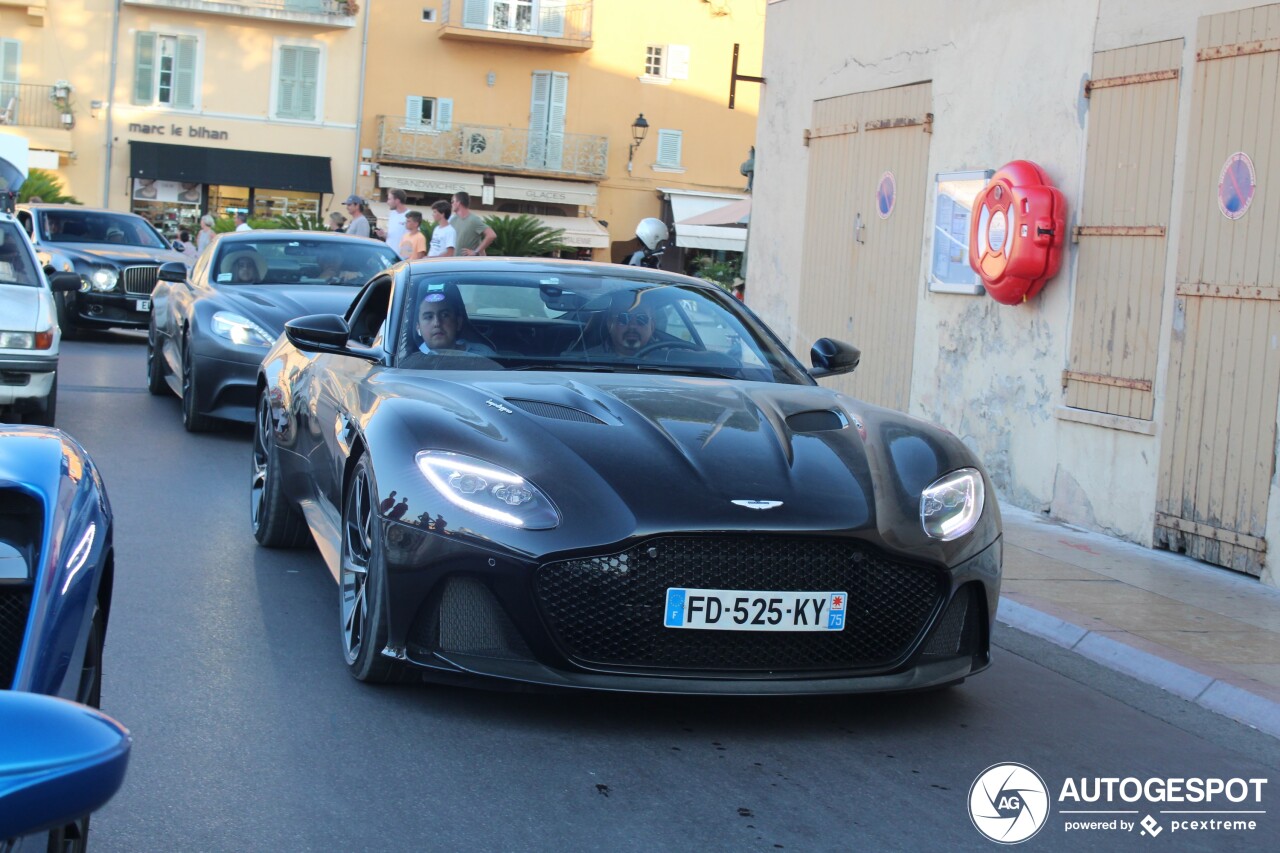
{"points": [[596, 476]]}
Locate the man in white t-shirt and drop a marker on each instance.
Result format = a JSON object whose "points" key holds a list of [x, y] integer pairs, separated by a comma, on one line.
{"points": [[242, 222], [394, 232], [444, 240]]}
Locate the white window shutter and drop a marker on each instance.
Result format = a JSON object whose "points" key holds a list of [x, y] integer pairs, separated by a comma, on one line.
{"points": [[413, 111], [539, 111], [144, 68], [678, 61], [555, 119], [551, 18], [184, 89], [10, 60], [475, 13], [286, 97], [669, 144], [444, 113], [308, 82]]}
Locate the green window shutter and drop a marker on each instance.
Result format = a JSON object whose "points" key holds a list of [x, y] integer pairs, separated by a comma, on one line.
{"points": [[539, 111], [444, 113], [555, 119], [184, 77], [413, 111], [669, 144], [287, 84], [144, 68], [10, 59], [551, 18], [308, 82]]}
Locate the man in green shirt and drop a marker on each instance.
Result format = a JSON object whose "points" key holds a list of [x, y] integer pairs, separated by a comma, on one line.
{"points": [[474, 236]]}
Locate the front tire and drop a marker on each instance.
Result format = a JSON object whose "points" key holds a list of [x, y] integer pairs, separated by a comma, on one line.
{"points": [[192, 420], [45, 416], [155, 365], [74, 837], [362, 582], [276, 523]]}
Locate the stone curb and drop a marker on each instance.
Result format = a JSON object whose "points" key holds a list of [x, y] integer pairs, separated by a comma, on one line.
{"points": [[1208, 692]]}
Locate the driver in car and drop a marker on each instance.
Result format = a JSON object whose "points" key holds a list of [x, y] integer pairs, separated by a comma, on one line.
{"points": [[629, 326]]}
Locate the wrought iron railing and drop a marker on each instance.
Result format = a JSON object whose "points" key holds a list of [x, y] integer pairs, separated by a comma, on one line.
{"points": [[509, 149], [571, 20], [33, 105]]}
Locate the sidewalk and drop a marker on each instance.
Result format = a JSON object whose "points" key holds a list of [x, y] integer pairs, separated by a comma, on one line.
{"points": [[1206, 634]]}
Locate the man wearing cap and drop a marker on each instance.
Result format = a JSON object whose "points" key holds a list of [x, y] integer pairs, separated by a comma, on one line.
{"points": [[359, 224], [440, 317]]}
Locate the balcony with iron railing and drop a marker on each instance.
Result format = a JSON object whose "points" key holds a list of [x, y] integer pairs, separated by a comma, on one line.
{"points": [[478, 147], [320, 13], [553, 24], [35, 105]]}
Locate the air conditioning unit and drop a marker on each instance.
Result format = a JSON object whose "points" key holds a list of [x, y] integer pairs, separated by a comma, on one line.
{"points": [[481, 146]]}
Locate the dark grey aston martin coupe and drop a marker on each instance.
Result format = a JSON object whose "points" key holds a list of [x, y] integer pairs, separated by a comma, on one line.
{"points": [[210, 328], [594, 476]]}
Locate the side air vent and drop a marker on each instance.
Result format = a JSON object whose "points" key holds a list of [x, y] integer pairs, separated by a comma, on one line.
{"points": [[816, 421], [555, 411]]}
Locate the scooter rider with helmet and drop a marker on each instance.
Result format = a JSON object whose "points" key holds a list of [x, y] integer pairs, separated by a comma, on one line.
{"points": [[653, 236]]}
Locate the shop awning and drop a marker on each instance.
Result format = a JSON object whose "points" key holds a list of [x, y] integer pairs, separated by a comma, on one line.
{"points": [[431, 181], [544, 191], [265, 169], [733, 213], [688, 205], [580, 232]]}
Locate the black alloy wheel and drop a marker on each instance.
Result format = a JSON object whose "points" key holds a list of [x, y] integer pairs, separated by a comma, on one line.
{"points": [[155, 364], [191, 419], [362, 582], [276, 522]]}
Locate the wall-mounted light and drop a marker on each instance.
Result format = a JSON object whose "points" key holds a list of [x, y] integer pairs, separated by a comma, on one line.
{"points": [[639, 129]]}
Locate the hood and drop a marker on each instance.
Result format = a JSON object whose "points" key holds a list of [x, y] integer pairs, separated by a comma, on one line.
{"points": [[122, 255], [273, 305], [20, 307]]}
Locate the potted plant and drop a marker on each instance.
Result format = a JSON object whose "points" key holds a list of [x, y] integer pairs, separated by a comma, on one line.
{"points": [[60, 94]]}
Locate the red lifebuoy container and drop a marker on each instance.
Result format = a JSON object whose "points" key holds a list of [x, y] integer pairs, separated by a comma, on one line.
{"points": [[1017, 232]]}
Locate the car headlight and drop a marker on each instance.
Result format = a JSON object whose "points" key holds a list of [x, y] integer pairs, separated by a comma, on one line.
{"points": [[487, 490], [240, 330], [951, 507], [26, 340], [103, 279]]}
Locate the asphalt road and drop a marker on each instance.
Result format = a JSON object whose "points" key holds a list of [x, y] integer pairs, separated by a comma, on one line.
{"points": [[223, 660]]}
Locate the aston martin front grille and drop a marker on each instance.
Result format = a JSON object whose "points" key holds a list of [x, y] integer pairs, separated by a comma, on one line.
{"points": [[608, 609], [139, 280], [15, 603]]}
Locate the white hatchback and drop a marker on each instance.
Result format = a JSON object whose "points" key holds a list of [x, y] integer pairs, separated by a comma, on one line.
{"points": [[29, 334]]}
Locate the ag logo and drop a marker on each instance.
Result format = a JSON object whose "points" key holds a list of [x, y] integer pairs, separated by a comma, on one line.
{"points": [[1008, 803]]}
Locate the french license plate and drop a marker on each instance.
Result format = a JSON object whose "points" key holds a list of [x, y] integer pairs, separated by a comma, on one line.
{"points": [[753, 610], [142, 304]]}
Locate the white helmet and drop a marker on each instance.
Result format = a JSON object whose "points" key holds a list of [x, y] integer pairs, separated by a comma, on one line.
{"points": [[651, 232]]}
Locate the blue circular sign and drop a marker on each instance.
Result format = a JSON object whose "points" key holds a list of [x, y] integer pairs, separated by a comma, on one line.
{"points": [[1236, 185], [886, 195]]}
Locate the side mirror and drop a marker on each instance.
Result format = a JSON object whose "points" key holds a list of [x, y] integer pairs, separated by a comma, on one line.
{"points": [[172, 271], [64, 282], [830, 357], [326, 333], [59, 762]]}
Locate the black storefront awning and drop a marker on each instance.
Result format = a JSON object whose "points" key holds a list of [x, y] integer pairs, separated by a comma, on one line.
{"points": [[228, 166]]}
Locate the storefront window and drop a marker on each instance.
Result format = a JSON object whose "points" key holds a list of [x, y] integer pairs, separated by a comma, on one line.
{"points": [[271, 203], [169, 205], [225, 201]]}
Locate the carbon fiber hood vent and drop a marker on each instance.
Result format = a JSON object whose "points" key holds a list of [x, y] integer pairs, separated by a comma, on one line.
{"points": [[555, 411]]}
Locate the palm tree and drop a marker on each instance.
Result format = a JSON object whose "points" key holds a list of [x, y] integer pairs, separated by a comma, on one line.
{"points": [[46, 186], [523, 236]]}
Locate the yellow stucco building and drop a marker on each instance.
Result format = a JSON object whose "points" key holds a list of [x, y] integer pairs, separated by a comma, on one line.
{"points": [[175, 107]]}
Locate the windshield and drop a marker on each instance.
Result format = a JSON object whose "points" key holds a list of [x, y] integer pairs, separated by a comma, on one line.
{"points": [[94, 226], [289, 260], [15, 261], [535, 321]]}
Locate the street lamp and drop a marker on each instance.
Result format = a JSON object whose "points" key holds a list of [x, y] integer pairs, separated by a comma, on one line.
{"points": [[639, 128]]}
